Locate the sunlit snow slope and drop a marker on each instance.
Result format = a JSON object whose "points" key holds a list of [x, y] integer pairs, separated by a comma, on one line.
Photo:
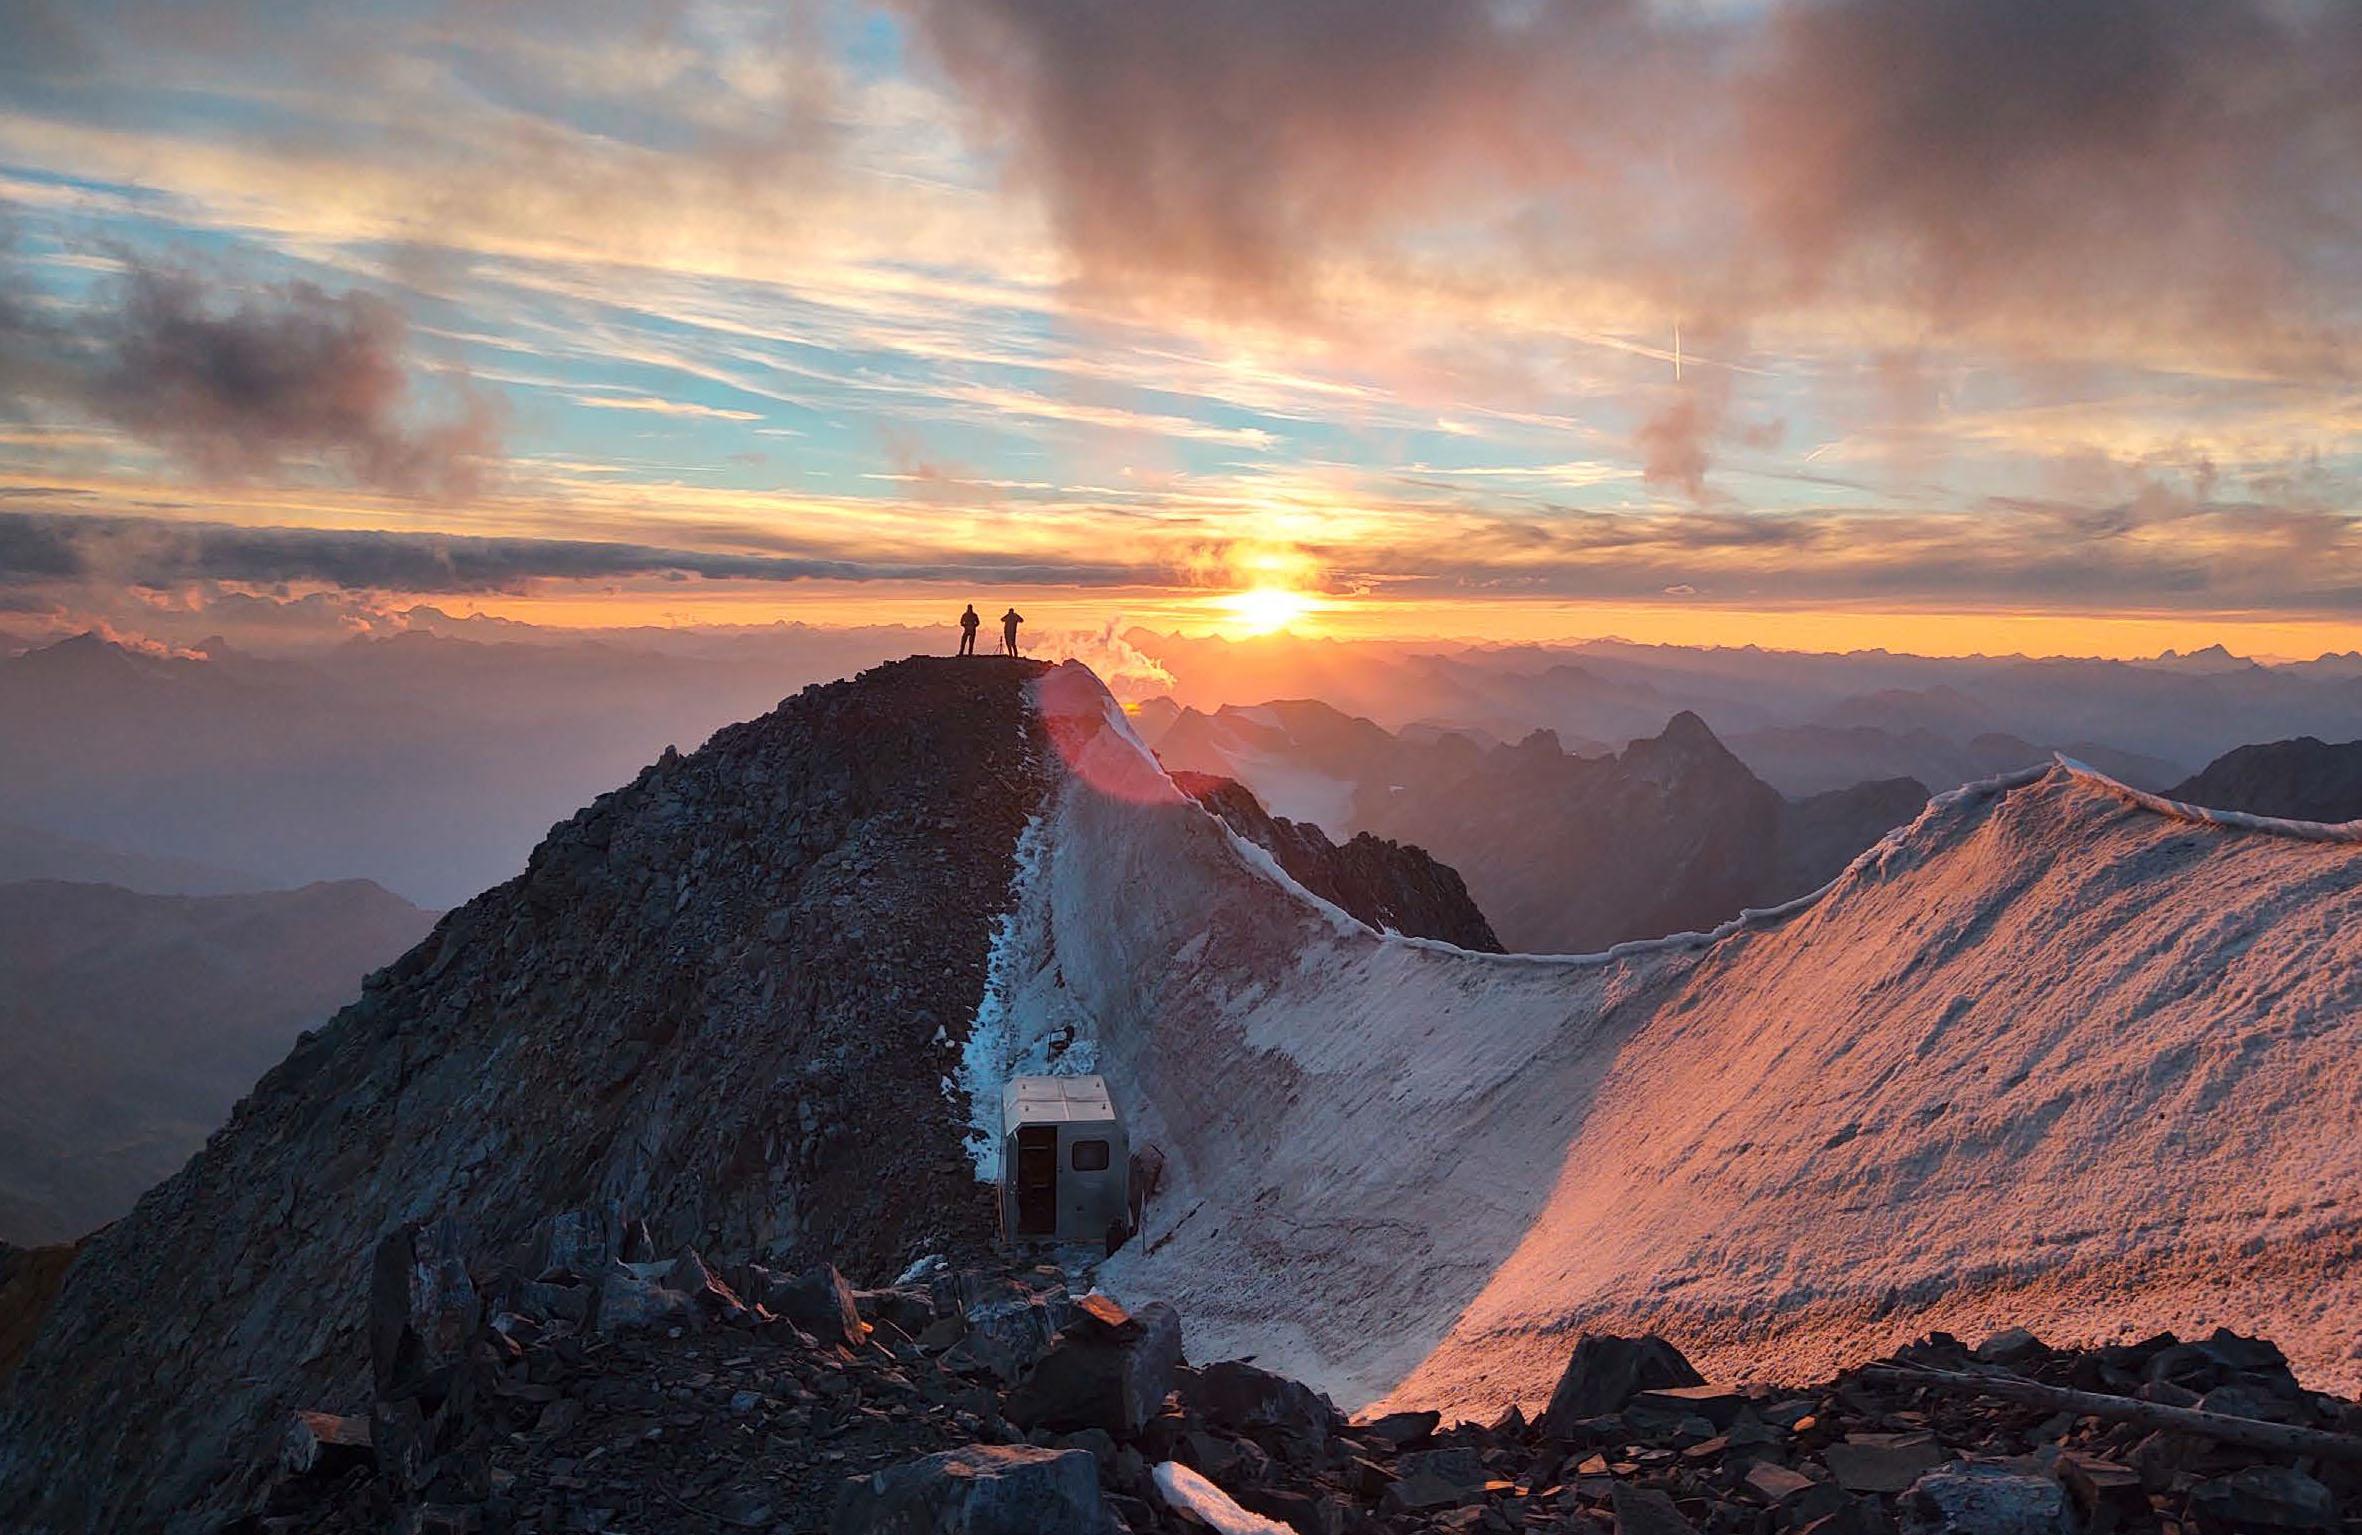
{"points": [[2048, 1055]]}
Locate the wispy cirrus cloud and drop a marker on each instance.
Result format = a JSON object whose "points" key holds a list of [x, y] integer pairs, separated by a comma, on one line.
{"points": [[648, 404]]}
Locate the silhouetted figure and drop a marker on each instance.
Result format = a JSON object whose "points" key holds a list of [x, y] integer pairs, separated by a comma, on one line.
{"points": [[1009, 622], [968, 624]]}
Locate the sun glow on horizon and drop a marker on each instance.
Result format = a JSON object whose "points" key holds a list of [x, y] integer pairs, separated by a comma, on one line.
{"points": [[1267, 609]]}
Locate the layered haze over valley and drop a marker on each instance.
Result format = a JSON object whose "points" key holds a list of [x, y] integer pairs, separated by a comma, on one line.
{"points": [[431, 758]]}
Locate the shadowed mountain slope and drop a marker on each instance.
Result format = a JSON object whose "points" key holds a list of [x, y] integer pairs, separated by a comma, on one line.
{"points": [[718, 998]]}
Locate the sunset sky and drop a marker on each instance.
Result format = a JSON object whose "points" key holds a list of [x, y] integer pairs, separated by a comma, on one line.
{"points": [[1935, 324]]}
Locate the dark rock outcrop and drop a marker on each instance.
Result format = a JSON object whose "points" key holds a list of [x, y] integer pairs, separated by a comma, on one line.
{"points": [[1106, 1370], [1605, 1373], [722, 997], [1389, 885], [2301, 780], [981, 1489]]}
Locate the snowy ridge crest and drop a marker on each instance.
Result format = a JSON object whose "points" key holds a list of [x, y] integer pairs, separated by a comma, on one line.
{"points": [[2182, 810], [1102, 749], [1404, 1171]]}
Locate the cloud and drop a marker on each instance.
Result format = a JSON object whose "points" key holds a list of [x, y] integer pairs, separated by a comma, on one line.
{"points": [[1129, 672], [655, 406], [2153, 171], [1232, 141], [253, 385], [1677, 440], [2103, 163]]}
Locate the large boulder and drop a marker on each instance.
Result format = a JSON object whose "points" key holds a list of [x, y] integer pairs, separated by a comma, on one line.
{"points": [[631, 1301], [1244, 1399], [1009, 1330], [704, 1289], [817, 1301], [1968, 1499], [2263, 1498], [423, 1312], [1606, 1372], [1646, 1511], [981, 1489], [1106, 1370]]}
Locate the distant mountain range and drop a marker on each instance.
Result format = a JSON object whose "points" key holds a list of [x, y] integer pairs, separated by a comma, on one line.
{"points": [[428, 764], [2163, 715], [27, 852], [129, 1023], [1563, 853], [430, 760]]}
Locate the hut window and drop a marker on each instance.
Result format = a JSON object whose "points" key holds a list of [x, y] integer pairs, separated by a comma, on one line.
{"points": [[1090, 1156]]}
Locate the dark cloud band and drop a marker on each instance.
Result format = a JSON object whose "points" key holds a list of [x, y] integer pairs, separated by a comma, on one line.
{"points": [[157, 553]]}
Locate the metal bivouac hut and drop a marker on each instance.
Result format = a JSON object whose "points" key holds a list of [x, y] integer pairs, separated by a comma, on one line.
{"points": [[1065, 1162]]}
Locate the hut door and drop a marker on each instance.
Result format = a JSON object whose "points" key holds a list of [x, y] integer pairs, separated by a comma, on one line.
{"points": [[1037, 1180]]}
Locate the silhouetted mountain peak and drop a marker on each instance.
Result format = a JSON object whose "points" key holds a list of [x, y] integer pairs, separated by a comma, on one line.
{"points": [[1686, 731], [88, 657]]}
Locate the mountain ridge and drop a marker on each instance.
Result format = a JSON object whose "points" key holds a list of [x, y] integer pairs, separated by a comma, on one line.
{"points": [[1393, 1168], [684, 1006], [1438, 1111]]}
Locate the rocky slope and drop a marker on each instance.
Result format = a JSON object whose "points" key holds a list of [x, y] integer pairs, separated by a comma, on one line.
{"points": [[723, 997], [2306, 779], [1391, 886], [1010, 1401], [130, 1023]]}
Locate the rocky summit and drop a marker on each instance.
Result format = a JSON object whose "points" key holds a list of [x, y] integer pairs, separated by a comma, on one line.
{"points": [[724, 997]]}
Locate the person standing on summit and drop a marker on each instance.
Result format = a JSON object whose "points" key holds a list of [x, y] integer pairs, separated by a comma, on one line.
{"points": [[968, 624], [1009, 622]]}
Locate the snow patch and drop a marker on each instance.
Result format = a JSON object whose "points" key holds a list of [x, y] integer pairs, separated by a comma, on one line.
{"points": [[1023, 1026], [1191, 1494]]}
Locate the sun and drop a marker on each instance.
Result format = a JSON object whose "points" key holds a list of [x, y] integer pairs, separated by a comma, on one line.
{"points": [[1268, 609]]}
